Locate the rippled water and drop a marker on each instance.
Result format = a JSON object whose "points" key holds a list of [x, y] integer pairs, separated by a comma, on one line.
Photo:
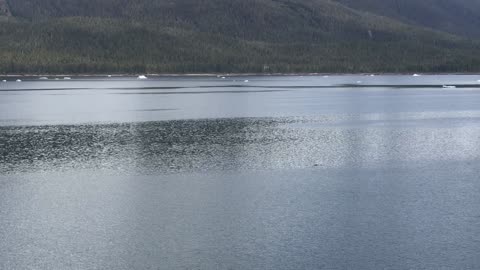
{"points": [[339, 172]]}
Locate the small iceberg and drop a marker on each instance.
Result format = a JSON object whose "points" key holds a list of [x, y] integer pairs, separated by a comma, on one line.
{"points": [[43, 78], [4, 80], [372, 75], [246, 81], [449, 86], [416, 75], [18, 80], [109, 76], [67, 78], [223, 78], [142, 77], [359, 82]]}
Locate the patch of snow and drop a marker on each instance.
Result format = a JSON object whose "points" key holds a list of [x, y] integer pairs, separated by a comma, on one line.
{"points": [[67, 78], [43, 78], [416, 75], [18, 80], [142, 77]]}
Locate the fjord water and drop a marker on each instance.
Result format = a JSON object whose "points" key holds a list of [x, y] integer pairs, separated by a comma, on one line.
{"points": [[287, 172]]}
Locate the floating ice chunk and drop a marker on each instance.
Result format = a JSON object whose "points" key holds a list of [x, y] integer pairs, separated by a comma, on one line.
{"points": [[246, 81], [359, 82], [43, 78], [223, 78], [142, 77], [67, 78], [416, 75], [18, 80], [4, 80], [109, 76]]}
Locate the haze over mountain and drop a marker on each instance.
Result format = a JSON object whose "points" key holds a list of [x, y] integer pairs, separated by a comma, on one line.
{"points": [[461, 17], [87, 36]]}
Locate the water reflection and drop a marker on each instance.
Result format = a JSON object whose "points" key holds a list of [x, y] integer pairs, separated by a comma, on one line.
{"points": [[244, 143], [310, 218], [94, 100], [339, 179]]}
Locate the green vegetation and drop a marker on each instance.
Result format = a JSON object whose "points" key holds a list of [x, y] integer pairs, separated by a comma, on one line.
{"points": [[183, 36]]}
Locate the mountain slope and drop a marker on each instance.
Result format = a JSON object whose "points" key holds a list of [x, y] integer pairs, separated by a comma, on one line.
{"points": [[247, 19], [86, 36], [4, 8], [461, 17]]}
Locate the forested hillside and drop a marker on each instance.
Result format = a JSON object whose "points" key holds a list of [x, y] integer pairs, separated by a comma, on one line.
{"points": [[96, 36]]}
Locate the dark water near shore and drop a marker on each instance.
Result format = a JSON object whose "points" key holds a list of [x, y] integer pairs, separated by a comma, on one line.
{"points": [[338, 172]]}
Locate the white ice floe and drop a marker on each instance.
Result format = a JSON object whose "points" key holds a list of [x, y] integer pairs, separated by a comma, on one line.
{"points": [[246, 81], [67, 78], [18, 80], [142, 77], [43, 78], [4, 80], [109, 76], [416, 75], [359, 82], [223, 77]]}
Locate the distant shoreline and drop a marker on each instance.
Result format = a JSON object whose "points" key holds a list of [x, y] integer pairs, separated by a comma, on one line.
{"points": [[230, 74]]}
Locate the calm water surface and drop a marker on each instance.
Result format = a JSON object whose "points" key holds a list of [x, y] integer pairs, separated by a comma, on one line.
{"points": [[314, 172]]}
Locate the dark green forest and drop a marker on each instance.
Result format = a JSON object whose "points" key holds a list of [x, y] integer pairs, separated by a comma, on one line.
{"points": [[197, 36]]}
